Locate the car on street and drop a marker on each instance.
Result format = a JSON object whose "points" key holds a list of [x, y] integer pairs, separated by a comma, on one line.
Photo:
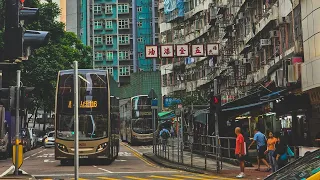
{"points": [[26, 139], [49, 140]]}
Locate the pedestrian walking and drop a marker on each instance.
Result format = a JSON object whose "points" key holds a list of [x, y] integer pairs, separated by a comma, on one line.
{"points": [[280, 153], [260, 139], [240, 151], [271, 146]]}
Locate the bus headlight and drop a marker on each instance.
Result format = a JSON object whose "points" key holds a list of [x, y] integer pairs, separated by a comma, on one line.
{"points": [[102, 146], [62, 147]]}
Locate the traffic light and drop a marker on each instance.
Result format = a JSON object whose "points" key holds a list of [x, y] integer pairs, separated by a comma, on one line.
{"points": [[7, 97], [215, 103], [26, 97], [17, 40]]}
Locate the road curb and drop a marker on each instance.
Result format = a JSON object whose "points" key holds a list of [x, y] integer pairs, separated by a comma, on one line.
{"points": [[132, 149], [172, 165]]}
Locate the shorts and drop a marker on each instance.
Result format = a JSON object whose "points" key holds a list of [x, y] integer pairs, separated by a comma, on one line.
{"points": [[242, 158], [261, 151]]}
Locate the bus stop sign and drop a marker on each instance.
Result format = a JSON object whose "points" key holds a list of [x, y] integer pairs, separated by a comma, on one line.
{"points": [[154, 104]]}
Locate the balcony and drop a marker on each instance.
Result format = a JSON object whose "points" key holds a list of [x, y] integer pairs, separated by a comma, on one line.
{"points": [[197, 33], [179, 87], [174, 15], [273, 14], [191, 86]]}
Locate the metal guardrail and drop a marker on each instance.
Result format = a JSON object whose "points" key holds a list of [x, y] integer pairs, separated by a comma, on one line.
{"points": [[199, 151]]}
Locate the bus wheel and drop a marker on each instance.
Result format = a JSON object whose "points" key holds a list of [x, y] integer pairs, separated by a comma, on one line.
{"points": [[63, 162]]}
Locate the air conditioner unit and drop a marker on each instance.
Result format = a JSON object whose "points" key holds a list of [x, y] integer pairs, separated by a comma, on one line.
{"points": [[256, 49], [274, 34], [241, 15], [279, 78], [250, 55], [265, 42], [245, 60], [291, 74], [237, 62]]}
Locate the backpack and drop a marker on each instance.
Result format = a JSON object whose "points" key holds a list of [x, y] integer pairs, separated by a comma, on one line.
{"points": [[165, 135]]}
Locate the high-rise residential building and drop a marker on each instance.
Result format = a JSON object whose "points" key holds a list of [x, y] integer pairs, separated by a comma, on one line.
{"points": [[112, 37]]}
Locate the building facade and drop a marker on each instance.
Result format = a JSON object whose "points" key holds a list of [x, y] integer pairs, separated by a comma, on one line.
{"points": [[259, 64], [112, 40]]}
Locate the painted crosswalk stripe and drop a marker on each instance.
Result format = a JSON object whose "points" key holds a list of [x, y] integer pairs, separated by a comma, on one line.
{"points": [[105, 178], [135, 178], [190, 177], [162, 177]]}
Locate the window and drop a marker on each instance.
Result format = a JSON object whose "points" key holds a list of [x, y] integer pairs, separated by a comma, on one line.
{"points": [[123, 39], [139, 8], [98, 56], [108, 9], [124, 71], [109, 40], [97, 40], [97, 25], [110, 70], [109, 24], [123, 55], [97, 9], [123, 8], [139, 24], [123, 23], [109, 56], [140, 54], [140, 39]]}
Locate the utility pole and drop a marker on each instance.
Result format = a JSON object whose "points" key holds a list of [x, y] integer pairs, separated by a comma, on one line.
{"points": [[16, 170], [154, 31], [93, 40], [76, 121], [134, 35], [216, 119]]}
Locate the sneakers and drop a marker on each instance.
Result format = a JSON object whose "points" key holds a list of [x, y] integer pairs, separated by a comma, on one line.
{"points": [[241, 175]]}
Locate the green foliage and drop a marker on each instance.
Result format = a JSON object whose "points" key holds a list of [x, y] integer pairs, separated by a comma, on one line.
{"points": [[187, 100], [41, 70]]}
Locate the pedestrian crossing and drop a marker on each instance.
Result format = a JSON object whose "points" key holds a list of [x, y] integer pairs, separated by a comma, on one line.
{"points": [[150, 177]]}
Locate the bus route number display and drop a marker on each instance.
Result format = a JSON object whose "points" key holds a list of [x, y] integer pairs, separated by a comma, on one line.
{"points": [[85, 104]]}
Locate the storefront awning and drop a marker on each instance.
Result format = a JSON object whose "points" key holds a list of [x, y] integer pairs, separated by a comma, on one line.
{"points": [[272, 95], [245, 106], [166, 115], [201, 116]]}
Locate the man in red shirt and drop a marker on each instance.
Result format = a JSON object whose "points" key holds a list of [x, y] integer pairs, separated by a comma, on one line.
{"points": [[240, 151]]}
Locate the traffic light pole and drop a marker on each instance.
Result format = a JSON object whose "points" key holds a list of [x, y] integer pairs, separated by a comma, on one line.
{"points": [[216, 120], [76, 121], [16, 170]]}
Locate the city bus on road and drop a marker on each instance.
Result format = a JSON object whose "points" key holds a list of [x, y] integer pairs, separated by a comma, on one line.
{"points": [[136, 120], [98, 116]]}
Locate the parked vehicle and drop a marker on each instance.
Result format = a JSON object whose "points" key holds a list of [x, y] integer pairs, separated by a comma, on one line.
{"points": [[4, 135], [50, 140]]}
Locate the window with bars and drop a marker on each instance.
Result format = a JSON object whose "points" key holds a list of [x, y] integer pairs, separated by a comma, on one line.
{"points": [[97, 25], [98, 56], [109, 55], [97, 9], [124, 39], [123, 23], [110, 70], [108, 24], [98, 40], [109, 40], [123, 55], [139, 24], [139, 8], [140, 55], [124, 71], [140, 39], [108, 9], [123, 8]]}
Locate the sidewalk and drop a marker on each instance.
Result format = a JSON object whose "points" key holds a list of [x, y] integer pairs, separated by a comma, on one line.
{"points": [[169, 155]]}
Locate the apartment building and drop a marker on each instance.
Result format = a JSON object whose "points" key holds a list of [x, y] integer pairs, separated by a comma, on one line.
{"points": [[112, 40]]}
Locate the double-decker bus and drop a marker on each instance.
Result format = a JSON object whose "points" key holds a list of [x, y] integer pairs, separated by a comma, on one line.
{"points": [[98, 116], [136, 120]]}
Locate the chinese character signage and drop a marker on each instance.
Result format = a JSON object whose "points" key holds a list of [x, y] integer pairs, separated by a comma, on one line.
{"points": [[212, 49], [151, 51], [166, 51], [182, 50], [197, 50]]}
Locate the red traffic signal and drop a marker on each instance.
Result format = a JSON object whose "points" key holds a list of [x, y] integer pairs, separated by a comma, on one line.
{"points": [[215, 103], [215, 100]]}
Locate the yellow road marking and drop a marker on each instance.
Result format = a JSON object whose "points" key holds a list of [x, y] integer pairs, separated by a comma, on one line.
{"points": [[162, 177], [135, 178], [105, 178], [80, 178], [222, 178], [190, 177], [139, 156]]}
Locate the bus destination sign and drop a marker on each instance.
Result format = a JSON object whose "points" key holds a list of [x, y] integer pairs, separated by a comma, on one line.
{"points": [[85, 104]]}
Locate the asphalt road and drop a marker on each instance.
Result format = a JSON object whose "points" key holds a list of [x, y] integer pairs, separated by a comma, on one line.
{"points": [[129, 165]]}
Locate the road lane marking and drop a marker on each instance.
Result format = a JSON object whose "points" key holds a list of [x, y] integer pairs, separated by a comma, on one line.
{"points": [[7, 171], [209, 176], [138, 155], [190, 177], [135, 178], [49, 161], [34, 154], [80, 179], [105, 178], [105, 170], [100, 173], [162, 177], [94, 166]]}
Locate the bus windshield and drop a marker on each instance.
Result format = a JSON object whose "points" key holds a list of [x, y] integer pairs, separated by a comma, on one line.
{"points": [[142, 126], [93, 105]]}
